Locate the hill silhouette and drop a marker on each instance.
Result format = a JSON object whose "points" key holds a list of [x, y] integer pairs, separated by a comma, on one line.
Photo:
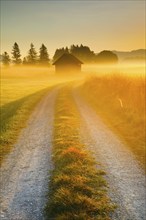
{"points": [[127, 55]]}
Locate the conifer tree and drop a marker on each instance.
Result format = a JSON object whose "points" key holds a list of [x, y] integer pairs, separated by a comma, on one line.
{"points": [[6, 59], [25, 61], [32, 55], [83, 53], [43, 56], [59, 52], [16, 54]]}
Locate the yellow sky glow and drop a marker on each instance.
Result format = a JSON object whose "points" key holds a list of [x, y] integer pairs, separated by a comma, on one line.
{"points": [[110, 25]]}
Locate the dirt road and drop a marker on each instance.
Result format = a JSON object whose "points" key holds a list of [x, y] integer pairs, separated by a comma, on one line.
{"points": [[125, 177], [25, 173]]}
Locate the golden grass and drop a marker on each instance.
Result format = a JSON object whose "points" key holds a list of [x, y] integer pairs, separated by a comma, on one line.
{"points": [[19, 82], [21, 90], [127, 69], [120, 101], [77, 188]]}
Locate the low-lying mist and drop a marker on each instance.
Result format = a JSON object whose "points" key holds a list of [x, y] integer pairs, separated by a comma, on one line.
{"points": [[36, 72]]}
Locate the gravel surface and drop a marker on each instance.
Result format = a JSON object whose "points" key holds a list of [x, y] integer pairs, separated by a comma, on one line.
{"points": [[25, 172], [125, 178]]}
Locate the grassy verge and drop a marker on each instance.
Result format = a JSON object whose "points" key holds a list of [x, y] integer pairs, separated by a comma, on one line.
{"points": [[120, 101], [21, 89], [77, 188], [17, 82], [14, 116]]}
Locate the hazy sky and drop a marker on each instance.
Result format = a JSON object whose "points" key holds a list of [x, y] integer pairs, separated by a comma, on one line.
{"points": [[100, 24]]}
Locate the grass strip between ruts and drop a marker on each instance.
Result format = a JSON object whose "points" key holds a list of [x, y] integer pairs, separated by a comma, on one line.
{"points": [[77, 189]]}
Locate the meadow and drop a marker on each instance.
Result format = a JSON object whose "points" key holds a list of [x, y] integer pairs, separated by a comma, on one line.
{"points": [[117, 93], [21, 90], [77, 185], [127, 69], [18, 82], [120, 100]]}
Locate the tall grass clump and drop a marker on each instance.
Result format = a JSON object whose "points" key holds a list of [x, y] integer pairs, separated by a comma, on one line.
{"points": [[120, 101], [77, 188]]}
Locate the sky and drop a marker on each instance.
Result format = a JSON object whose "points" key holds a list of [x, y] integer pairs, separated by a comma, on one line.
{"points": [[99, 24]]}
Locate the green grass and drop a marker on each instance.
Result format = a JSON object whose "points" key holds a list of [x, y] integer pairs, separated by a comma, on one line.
{"points": [[120, 101], [14, 116], [21, 90], [77, 187], [18, 82]]}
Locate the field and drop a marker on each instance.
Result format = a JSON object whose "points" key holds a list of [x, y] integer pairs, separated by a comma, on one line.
{"points": [[120, 101], [89, 126], [129, 70], [21, 90]]}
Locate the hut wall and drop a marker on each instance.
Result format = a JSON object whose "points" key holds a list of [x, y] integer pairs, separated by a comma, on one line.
{"points": [[68, 68]]}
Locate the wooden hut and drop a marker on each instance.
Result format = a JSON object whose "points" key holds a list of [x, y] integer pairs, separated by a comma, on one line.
{"points": [[67, 63]]}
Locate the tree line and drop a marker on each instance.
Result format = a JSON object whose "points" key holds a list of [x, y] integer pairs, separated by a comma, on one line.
{"points": [[31, 59], [86, 55], [81, 52]]}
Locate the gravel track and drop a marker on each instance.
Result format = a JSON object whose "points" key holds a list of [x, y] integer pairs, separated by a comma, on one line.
{"points": [[25, 172], [125, 178]]}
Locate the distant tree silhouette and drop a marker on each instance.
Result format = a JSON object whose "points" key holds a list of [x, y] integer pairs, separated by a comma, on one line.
{"points": [[66, 50], [59, 53], [16, 54], [83, 53], [6, 59], [32, 55], [25, 61], [106, 57], [43, 56]]}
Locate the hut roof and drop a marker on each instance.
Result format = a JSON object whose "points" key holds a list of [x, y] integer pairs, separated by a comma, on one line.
{"points": [[67, 58]]}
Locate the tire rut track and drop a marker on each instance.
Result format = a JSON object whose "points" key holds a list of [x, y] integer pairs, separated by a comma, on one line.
{"points": [[124, 175], [25, 172]]}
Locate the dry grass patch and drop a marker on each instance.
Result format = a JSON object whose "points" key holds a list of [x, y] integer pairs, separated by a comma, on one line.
{"points": [[77, 188], [120, 101]]}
